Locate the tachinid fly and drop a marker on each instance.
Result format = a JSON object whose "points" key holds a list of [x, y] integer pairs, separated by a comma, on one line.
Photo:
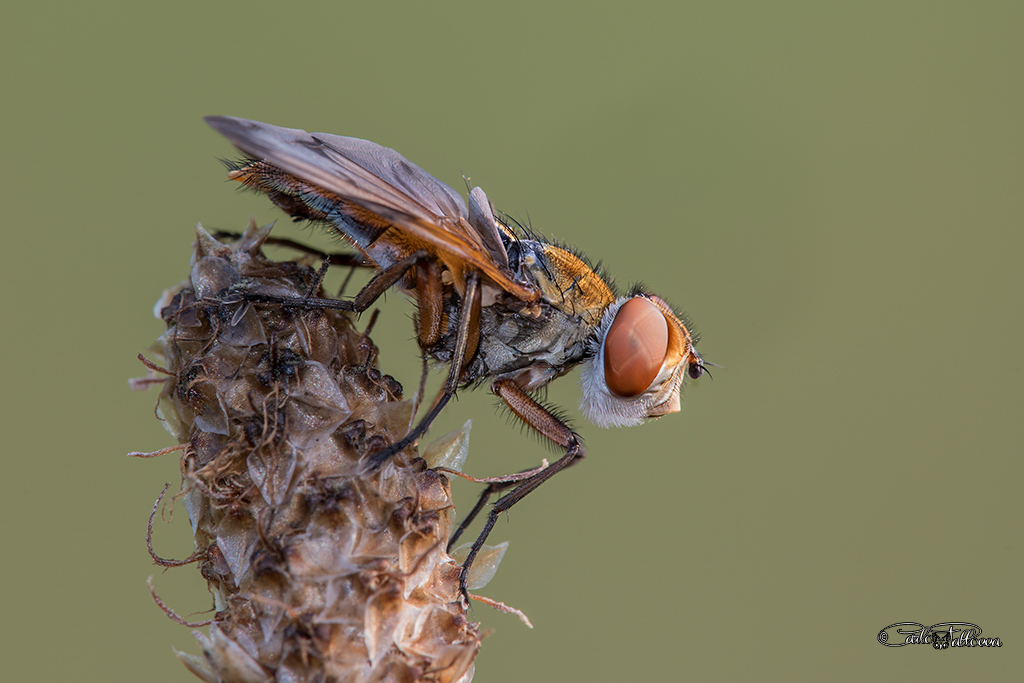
{"points": [[493, 303]]}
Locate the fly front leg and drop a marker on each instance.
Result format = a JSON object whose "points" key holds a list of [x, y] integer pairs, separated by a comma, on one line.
{"points": [[494, 485], [544, 422]]}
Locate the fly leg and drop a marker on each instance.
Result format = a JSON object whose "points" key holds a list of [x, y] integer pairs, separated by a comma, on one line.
{"points": [[494, 485], [334, 258], [466, 341], [541, 420], [430, 295], [387, 278], [491, 489], [381, 282]]}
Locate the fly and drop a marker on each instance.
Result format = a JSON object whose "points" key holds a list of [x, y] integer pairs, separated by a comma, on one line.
{"points": [[495, 304]]}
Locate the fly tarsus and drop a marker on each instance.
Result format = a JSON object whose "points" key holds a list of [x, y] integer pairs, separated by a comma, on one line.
{"points": [[521, 489], [544, 422], [380, 457]]}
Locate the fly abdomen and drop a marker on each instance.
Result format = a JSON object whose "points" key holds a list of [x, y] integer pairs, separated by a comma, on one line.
{"points": [[303, 201]]}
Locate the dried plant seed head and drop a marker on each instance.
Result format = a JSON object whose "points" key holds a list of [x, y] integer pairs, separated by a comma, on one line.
{"points": [[320, 569]]}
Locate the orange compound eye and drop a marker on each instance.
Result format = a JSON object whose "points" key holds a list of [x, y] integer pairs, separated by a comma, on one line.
{"points": [[635, 347]]}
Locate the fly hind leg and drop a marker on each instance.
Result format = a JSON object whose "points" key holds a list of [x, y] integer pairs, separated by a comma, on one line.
{"points": [[333, 258], [365, 298]]}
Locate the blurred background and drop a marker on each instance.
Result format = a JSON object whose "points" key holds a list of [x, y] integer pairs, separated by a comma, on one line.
{"points": [[832, 191]]}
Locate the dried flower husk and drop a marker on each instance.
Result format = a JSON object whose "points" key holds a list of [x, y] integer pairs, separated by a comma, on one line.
{"points": [[320, 569]]}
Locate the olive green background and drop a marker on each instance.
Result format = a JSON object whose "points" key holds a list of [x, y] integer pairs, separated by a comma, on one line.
{"points": [[831, 190]]}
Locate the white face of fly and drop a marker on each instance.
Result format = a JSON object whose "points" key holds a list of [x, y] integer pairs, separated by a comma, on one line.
{"points": [[639, 358]]}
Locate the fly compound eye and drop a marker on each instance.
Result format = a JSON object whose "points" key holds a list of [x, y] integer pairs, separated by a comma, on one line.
{"points": [[635, 347]]}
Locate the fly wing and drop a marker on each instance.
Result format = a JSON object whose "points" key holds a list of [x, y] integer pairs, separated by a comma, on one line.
{"points": [[386, 173], [377, 179], [481, 217]]}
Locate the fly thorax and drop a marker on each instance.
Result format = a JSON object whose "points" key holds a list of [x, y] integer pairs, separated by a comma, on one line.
{"points": [[565, 281], [515, 335]]}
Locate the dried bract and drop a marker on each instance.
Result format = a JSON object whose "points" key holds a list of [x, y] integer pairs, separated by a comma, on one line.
{"points": [[321, 568]]}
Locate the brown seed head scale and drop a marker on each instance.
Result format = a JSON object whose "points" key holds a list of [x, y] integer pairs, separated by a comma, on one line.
{"points": [[319, 569]]}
